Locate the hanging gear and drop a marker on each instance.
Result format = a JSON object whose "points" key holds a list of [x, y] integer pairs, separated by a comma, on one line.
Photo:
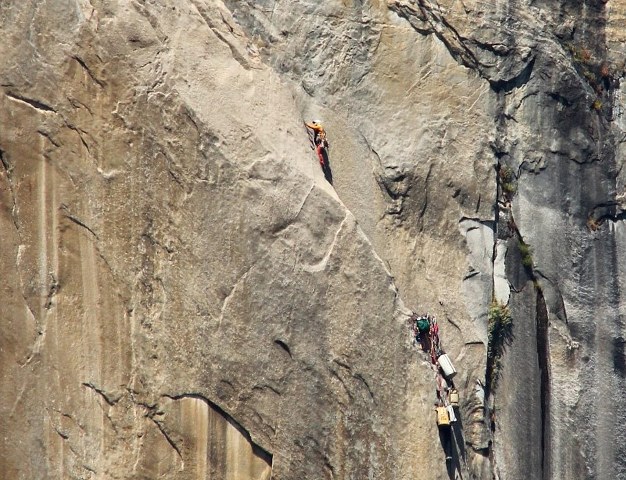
{"points": [[451, 413], [446, 365], [443, 417], [454, 397]]}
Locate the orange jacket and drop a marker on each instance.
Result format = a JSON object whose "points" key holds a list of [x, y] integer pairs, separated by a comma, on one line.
{"points": [[317, 128]]}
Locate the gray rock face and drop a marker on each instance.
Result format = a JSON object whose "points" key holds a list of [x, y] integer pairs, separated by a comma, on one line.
{"points": [[186, 296]]}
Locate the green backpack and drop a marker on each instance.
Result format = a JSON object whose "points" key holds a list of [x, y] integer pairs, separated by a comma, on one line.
{"points": [[423, 325]]}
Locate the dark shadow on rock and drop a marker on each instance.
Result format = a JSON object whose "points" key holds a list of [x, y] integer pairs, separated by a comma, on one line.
{"points": [[445, 437], [328, 174], [619, 356], [457, 428], [425, 342], [448, 443]]}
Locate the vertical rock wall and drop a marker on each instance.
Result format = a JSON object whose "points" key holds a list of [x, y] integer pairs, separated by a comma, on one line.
{"points": [[185, 296]]}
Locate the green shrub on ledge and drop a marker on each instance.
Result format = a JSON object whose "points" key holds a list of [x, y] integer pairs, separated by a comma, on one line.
{"points": [[527, 254], [500, 334]]}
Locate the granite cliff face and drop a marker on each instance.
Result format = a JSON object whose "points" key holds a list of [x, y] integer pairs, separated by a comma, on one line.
{"points": [[185, 296]]}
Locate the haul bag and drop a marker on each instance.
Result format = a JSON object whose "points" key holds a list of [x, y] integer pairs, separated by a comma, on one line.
{"points": [[454, 397], [443, 418], [446, 366]]}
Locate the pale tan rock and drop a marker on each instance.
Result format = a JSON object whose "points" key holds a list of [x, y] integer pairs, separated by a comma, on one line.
{"points": [[185, 296]]}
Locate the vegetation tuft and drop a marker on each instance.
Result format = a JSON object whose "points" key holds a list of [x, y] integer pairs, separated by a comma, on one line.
{"points": [[593, 223], [527, 254], [509, 188], [600, 75], [500, 331], [597, 105], [507, 181]]}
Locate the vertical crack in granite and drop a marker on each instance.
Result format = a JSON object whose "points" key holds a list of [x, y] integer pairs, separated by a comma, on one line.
{"points": [[543, 357], [615, 352]]}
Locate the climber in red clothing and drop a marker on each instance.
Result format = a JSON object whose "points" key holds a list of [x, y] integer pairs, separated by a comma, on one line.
{"points": [[320, 144]]}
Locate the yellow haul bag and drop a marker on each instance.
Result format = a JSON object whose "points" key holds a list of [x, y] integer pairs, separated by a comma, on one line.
{"points": [[454, 397], [442, 416]]}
